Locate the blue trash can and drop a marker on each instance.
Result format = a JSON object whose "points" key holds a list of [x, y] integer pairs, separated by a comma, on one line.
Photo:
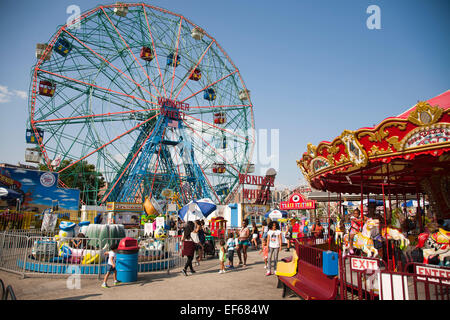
{"points": [[330, 265], [127, 260]]}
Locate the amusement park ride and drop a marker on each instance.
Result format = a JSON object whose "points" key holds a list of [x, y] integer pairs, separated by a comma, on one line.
{"points": [[149, 98]]}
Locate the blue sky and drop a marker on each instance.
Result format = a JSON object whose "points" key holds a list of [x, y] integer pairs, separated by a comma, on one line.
{"points": [[313, 67]]}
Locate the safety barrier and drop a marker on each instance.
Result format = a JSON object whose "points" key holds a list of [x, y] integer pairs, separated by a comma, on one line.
{"points": [[362, 278], [30, 254]]}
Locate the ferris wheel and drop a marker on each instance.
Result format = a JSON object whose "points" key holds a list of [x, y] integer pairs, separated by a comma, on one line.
{"points": [[148, 98]]}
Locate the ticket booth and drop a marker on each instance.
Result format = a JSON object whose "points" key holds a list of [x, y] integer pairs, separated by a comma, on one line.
{"points": [[128, 214]]}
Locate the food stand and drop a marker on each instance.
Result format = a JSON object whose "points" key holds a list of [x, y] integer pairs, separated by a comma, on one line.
{"points": [[124, 213]]}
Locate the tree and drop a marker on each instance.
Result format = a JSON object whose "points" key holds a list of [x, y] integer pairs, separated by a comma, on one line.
{"points": [[82, 176]]}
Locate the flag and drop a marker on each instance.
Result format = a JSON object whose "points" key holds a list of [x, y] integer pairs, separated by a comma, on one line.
{"points": [[173, 123]]}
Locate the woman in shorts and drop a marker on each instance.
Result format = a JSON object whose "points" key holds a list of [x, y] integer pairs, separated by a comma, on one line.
{"points": [[244, 233]]}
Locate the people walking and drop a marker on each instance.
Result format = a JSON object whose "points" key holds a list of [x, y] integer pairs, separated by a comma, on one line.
{"points": [[195, 237], [111, 268], [188, 249], [255, 236], [274, 239], [202, 239]]}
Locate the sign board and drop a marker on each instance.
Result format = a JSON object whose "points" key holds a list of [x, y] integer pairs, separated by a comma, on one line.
{"points": [[297, 202], [39, 190], [124, 206], [256, 180], [363, 264], [159, 222], [433, 272]]}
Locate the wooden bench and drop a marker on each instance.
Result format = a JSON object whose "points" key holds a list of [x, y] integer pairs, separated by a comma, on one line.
{"points": [[310, 283]]}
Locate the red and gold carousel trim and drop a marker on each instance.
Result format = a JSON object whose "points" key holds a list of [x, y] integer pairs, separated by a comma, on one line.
{"points": [[426, 130]]}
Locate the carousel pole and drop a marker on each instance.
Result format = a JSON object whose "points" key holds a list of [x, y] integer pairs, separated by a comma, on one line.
{"points": [[329, 239], [389, 195], [418, 213], [384, 210], [390, 214], [362, 199], [423, 206]]}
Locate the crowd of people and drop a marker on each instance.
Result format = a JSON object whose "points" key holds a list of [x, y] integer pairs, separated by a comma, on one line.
{"points": [[267, 239]]}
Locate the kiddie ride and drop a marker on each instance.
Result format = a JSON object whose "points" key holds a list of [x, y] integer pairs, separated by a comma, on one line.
{"points": [[89, 250], [217, 228]]}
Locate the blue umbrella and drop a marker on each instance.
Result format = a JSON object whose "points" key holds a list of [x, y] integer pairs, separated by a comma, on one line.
{"points": [[413, 203], [276, 214], [197, 210], [6, 193]]}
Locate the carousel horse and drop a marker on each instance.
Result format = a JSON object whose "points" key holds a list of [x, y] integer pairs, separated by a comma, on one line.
{"points": [[363, 240], [340, 231], [436, 244], [390, 233]]}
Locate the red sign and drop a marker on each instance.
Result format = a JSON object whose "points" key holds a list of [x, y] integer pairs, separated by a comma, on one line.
{"points": [[173, 109], [256, 180], [433, 272], [297, 202], [363, 264], [255, 194]]}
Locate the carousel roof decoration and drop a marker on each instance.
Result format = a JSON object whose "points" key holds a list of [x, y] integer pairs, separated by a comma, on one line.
{"points": [[408, 148]]}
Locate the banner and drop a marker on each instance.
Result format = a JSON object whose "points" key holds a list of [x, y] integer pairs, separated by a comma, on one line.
{"points": [[39, 189]]}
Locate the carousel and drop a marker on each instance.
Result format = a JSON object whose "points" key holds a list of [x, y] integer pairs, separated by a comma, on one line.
{"points": [[402, 156]]}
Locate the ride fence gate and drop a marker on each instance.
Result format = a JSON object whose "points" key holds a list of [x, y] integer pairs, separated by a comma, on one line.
{"points": [[362, 278], [37, 254]]}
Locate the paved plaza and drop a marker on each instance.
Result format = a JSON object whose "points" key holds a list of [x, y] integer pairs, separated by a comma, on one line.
{"points": [[206, 284]]}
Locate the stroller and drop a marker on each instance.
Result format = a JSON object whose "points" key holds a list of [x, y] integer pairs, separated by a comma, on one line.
{"points": [[210, 246]]}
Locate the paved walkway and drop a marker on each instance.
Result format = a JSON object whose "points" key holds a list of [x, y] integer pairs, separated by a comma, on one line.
{"points": [[242, 283]]}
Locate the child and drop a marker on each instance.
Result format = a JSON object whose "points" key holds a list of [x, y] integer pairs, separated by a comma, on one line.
{"points": [[111, 266], [356, 226], [222, 256], [231, 244], [265, 251]]}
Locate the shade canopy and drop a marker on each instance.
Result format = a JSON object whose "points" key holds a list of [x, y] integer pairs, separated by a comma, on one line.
{"points": [[409, 153], [197, 210]]}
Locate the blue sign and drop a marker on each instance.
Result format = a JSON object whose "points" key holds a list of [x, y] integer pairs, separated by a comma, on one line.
{"points": [[39, 189]]}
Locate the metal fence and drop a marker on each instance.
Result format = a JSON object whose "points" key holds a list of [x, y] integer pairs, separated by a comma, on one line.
{"points": [[364, 278], [33, 253]]}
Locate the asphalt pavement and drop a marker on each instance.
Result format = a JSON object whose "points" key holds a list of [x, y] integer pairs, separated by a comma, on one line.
{"points": [[242, 283]]}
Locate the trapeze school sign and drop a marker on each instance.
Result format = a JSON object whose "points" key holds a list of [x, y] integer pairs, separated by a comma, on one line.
{"points": [[297, 202]]}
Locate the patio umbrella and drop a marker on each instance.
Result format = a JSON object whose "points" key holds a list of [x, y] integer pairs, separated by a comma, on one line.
{"points": [[6, 193], [197, 210], [276, 214]]}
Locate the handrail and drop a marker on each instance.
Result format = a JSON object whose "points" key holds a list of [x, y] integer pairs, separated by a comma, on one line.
{"points": [[7, 292]]}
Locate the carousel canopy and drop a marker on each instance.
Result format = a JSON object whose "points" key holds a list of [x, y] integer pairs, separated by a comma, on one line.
{"points": [[402, 153]]}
